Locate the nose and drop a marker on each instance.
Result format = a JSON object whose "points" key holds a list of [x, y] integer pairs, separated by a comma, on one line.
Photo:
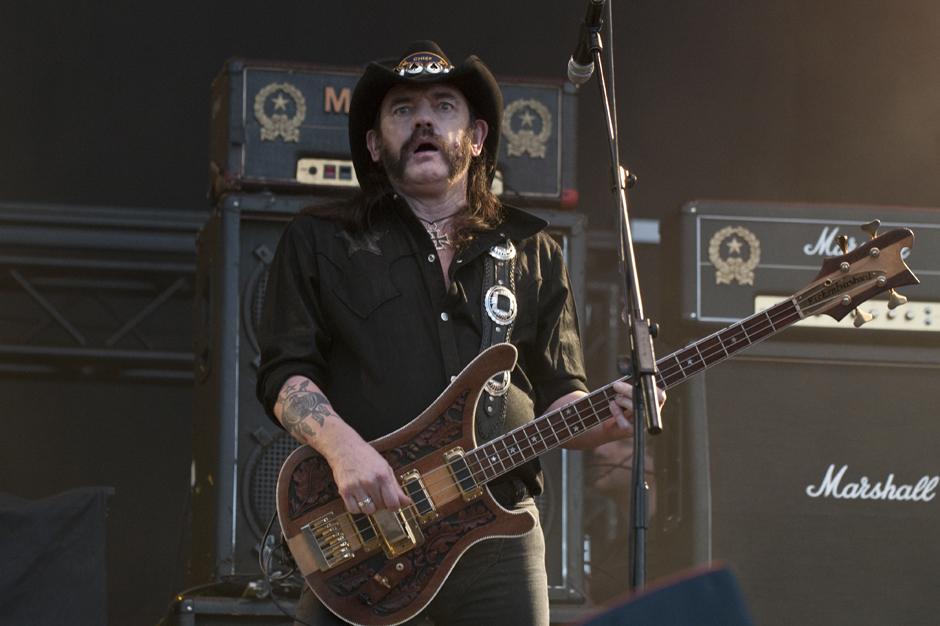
{"points": [[423, 117]]}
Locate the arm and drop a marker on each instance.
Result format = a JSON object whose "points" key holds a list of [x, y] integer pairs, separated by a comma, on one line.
{"points": [[359, 470]]}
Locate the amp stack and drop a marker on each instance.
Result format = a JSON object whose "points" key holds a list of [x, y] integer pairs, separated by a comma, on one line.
{"points": [[279, 142], [807, 463]]}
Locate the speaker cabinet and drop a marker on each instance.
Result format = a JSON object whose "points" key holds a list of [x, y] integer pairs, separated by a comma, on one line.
{"points": [[238, 451], [814, 476], [807, 463]]}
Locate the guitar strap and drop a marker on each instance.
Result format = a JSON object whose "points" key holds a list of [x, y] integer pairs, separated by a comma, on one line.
{"points": [[499, 313]]}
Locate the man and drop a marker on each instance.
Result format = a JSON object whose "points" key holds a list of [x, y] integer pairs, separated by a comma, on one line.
{"points": [[374, 305]]}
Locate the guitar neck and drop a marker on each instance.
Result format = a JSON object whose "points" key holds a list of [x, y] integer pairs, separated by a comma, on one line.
{"points": [[551, 430]]}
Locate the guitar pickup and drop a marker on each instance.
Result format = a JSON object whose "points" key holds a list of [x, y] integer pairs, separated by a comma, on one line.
{"points": [[463, 477], [327, 541], [416, 489]]}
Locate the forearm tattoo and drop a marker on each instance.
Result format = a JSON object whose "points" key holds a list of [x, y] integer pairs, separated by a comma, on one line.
{"points": [[298, 403]]}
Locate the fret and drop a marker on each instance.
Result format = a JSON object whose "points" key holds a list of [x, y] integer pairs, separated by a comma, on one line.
{"points": [[548, 421], [733, 337], [711, 350], [769, 320], [690, 362], [571, 422], [494, 457], [516, 457], [675, 375], [487, 470], [534, 438]]}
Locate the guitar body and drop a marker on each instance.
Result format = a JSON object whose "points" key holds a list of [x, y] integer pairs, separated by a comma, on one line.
{"points": [[371, 586]]}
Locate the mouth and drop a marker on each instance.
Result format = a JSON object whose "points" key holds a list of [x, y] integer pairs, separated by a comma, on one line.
{"points": [[425, 146]]}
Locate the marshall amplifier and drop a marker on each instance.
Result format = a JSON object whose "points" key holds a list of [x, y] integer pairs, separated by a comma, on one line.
{"points": [[741, 257], [808, 463], [282, 127]]}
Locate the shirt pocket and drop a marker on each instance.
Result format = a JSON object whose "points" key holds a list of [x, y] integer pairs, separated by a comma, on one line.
{"points": [[365, 290]]}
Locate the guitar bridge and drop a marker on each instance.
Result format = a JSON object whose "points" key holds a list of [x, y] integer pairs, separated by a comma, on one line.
{"points": [[462, 475], [327, 541]]}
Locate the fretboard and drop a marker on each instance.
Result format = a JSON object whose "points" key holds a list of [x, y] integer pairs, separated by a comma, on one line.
{"points": [[551, 430]]}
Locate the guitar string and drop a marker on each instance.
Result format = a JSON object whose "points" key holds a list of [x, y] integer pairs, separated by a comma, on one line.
{"points": [[482, 459], [480, 464], [756, 325]]}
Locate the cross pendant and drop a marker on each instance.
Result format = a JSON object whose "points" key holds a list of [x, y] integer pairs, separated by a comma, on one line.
{"points": [[440, 241]]}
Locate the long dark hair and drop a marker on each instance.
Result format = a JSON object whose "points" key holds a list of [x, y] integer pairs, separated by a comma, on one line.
{"points": [[484, 211]]}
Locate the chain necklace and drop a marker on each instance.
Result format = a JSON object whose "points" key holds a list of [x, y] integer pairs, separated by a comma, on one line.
{"points": [[439, 240]]}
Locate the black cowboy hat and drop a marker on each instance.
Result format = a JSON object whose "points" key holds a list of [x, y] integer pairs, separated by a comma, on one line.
{"points": [[423, 63]]}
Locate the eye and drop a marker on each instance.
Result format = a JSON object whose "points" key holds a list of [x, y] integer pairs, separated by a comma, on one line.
{"points": [[446, 106], [402, 110]]}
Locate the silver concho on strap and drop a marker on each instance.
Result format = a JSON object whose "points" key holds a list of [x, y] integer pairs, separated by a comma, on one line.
{"points": [[503, 251], [492, 303]]}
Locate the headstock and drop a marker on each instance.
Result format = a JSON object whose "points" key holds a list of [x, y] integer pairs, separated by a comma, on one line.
{"points": [[846, 281]]}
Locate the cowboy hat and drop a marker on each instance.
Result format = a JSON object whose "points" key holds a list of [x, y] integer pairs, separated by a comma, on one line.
{"points": [[423, 63]]}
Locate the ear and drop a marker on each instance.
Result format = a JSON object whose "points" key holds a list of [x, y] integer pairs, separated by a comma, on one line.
{"points": [[480, 131], [374, 145]]}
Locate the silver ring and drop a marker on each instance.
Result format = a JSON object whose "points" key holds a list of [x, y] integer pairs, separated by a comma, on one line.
{"points": [[364, 502]]}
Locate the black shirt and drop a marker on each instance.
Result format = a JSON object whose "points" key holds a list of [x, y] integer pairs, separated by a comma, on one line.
{"points": [[368, 319]]}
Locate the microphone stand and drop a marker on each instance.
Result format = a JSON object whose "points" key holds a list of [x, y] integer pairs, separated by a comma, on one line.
{"points": [[642, 359]]}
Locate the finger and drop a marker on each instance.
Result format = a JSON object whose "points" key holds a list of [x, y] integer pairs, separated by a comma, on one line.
{"points": [[622, 422], [367, 505], [624, 389], [352, 503]]}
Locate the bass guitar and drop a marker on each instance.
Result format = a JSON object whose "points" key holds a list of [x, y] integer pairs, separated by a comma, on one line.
{"points": [[383, 569]]}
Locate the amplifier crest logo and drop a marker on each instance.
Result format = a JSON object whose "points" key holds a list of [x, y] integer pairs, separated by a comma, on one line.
{"points": [[280, 124], [526, 139], [732, 265]]}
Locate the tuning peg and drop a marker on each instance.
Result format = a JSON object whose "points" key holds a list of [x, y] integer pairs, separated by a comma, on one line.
{"points": [[843, 242], [895, 299], [871, 228], [861, 317]]}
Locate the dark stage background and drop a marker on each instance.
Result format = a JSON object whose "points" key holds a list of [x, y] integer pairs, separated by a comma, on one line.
{"points": [[107, 103]]}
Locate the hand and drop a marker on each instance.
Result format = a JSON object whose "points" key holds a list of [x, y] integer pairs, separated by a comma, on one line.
{"points": [[363, 475], [621, 407]]}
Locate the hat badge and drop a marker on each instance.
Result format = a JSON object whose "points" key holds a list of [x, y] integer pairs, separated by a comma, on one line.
{"points": [[423, 62]]}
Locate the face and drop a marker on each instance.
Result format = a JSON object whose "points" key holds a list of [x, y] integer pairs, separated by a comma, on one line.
{"points": [[425, 137]]}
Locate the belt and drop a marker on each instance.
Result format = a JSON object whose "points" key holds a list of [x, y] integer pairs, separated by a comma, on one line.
{"points": [[510, 492]]}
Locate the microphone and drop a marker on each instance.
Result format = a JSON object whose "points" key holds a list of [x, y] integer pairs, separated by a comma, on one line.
{"points": [[581, 64]]}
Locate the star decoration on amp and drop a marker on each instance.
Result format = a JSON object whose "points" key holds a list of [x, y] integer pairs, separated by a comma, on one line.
{"points": [[367, 242], [280, 103], [527, 118]]}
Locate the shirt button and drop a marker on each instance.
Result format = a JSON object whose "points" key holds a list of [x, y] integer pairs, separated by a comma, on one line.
{"points": [[445, 316], [430, 258]]}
